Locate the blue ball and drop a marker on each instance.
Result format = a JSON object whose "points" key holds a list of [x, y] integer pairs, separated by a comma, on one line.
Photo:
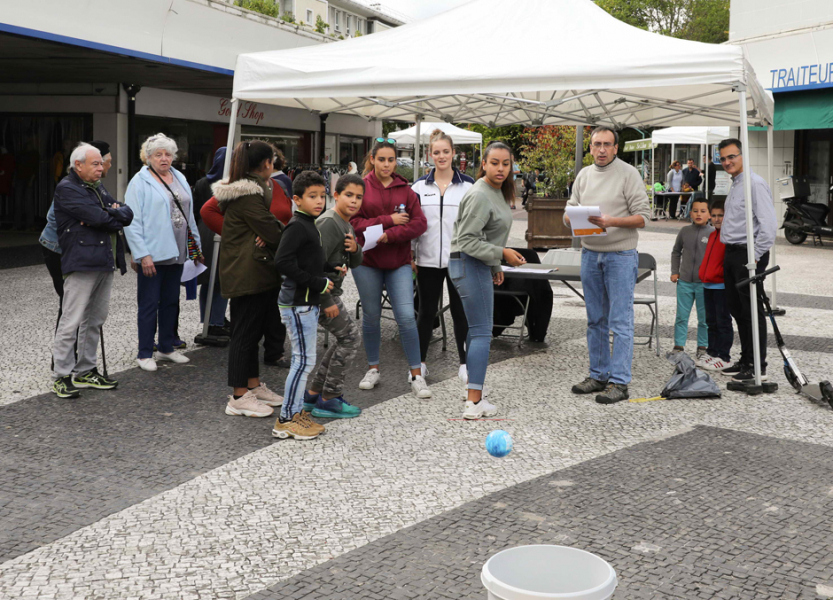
{"points": [[499, 443]]}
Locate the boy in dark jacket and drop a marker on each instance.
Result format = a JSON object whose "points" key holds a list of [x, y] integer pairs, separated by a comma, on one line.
{"points": [[324, 398], [718, 318], [300, 259], [686, 257]]}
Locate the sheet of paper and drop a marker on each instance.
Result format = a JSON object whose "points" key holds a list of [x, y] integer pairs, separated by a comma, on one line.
{"points": [[529, 269], [190, 270], [579, 223], [371, 237]]}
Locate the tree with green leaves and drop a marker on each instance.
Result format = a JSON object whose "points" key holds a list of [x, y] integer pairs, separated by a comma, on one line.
{"points": [[697, 20]]}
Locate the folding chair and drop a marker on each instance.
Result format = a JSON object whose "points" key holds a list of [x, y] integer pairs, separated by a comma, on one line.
{"points": [[646, 261], [522, 298]]}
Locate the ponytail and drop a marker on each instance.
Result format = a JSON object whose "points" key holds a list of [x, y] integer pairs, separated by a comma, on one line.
{"points": [[368, 166], [508, 187], [248, 156]]}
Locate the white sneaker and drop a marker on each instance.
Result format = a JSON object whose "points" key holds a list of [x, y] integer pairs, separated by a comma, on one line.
{"points": [[370, 379], [463, 374], [479, 410], [703, 361], [174, 357], [247, 405], [419, 387], [146, 364], [423, 369], [716, 364], [267, 396]]}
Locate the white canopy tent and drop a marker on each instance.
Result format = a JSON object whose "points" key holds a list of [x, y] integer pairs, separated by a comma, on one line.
{"points": [[593, 70], [424, 130], [703, 136]]}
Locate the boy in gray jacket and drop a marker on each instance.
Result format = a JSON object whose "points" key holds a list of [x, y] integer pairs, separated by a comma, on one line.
{"points": [[324, 397], [686, 257]]}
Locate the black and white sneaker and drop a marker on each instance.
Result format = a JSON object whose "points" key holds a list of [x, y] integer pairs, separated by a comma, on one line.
{"points": [[735, 369], [748, 374], [64, 388]]}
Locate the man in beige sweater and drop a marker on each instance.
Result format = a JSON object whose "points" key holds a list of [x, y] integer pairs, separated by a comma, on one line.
{"points": [[609, 264]]}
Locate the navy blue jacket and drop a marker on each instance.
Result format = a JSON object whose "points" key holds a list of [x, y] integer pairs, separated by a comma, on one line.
{"points": [[88, 247]]}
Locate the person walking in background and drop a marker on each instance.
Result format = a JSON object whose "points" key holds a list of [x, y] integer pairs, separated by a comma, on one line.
{"points": [[88, 224], [159, 237], [609, 264], [692, 178], [202, 193], [478, 244], [300, 259], [733, 234], [325, 397], [686, 258], [674, 183], [251, 235], [390, 202], [718, 319], [440, 193]]}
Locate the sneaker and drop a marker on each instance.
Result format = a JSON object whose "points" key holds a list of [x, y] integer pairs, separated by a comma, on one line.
{"points": [[463, 374], [703, 361], [316, 426], [247, 405], [310, 400], [588, 386], [735, 369], [479, 410], [219, 332], [716, 364], [267, 396], [174, 357], [748, 374], [146, 364], [283, 363], [419, 387], [335, 408], [94, 379], [423, 369], [677, 350], [64, 388], [370, 379], [298, 428], [615, 392], [701, 353], [179, 344]]}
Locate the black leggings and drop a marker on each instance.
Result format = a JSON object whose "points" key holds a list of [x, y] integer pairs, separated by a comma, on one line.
{"points": [[248, 323], [430, 285]]}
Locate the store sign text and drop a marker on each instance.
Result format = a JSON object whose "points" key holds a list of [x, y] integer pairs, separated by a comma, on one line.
{"points": [[820, 75], [246, 110]]}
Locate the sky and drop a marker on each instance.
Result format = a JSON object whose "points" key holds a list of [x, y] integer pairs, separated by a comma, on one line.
{"points": [[419, 9]]}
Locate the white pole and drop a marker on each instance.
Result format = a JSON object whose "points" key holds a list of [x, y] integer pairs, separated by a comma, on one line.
{"points": [[771, 182], [653, 192], [750, 235], [417, 148], [706, 167], [230, 139]]}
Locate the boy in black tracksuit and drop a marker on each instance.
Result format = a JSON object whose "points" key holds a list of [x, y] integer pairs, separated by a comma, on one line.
{"points": [[300, 259]]}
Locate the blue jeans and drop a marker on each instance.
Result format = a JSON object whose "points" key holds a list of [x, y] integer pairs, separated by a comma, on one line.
{"points": [[399, 284], [218, 305], [473, 280], [302, 323], [687, 295], [608, 279], [158, 296]]}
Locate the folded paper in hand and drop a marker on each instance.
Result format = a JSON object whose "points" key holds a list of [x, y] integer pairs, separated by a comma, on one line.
{"points": [[371, 237], [579, 220]]}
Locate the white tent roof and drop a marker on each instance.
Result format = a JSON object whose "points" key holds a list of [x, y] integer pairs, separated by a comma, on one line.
{"points": [[690, 135], [552, 62], [460, 136]]}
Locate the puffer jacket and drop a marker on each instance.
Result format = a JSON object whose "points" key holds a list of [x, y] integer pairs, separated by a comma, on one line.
{"points": [[244, 268], [711, 268], [433, 247]]}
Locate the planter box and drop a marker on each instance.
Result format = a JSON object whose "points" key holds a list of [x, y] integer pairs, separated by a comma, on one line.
{"points": [[545, 226]]}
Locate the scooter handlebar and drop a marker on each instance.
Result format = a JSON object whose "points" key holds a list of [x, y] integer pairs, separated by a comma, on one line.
{"points": [[758, 277]]}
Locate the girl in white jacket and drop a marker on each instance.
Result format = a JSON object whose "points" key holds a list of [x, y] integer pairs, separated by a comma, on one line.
{"points": [[439, 194]]}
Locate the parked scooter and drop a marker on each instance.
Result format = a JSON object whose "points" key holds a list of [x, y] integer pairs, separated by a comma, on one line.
{"points": [[802, 217]]}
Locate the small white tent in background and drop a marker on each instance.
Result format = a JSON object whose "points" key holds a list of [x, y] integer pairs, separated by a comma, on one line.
{"points": [[702, 136], [424, 131]]}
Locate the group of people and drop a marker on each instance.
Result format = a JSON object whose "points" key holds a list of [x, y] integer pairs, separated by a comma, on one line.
{"points": [[682, 180], [282, 255]]}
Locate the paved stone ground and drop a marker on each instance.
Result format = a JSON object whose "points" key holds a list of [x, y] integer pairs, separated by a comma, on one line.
{"points": [[151, 492]]}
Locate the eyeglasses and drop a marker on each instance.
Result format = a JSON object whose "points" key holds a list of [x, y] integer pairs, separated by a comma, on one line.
{"points": [[388, 140], [605, 145], [728, 157]]}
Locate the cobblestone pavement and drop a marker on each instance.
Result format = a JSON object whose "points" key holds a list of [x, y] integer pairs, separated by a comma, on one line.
{"points": [[152, 492]]}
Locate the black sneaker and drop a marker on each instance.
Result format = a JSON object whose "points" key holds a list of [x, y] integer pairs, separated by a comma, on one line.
{"points": [[94, 379], [735, 369], [588, 386], [615, 392], [64, 388], [282, 362], [748, 374], [220, 332]]}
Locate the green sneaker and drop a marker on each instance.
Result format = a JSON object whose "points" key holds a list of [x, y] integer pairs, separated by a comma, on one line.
{"points": [[94, 379], [336, 408], [64, 388]]}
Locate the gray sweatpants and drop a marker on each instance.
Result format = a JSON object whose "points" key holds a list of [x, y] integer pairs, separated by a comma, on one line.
{"points": [[330, 375], [85, 308]]}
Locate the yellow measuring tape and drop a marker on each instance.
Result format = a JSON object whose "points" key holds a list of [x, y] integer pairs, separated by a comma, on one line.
{"points": [[648, 399]]}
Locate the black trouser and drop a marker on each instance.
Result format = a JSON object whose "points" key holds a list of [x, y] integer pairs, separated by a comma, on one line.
{"points": [[430, 285], [53, 265], [274, 334], [248, 322], [719, 322], [734, 270], [672, 206]]}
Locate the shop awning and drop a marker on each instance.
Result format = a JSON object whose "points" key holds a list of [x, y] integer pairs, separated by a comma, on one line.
{"points": [[637, 145], [804, 110]]}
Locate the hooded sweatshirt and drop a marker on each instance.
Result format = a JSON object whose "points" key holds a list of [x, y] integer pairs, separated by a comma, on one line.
{"points": [[711, 269], [689, 250], [378, 206]]}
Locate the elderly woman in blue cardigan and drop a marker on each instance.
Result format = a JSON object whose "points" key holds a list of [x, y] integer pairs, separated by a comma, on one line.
{"points": [[163, 214]]}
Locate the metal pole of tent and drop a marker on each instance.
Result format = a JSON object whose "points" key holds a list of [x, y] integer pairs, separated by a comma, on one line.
{"points": [[579, 150], [212, 279], [417, 147], [653, 192], [750, 236], [771, 182], [706, 167]]}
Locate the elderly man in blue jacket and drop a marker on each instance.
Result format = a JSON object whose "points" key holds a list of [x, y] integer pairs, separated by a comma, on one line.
{"points": [[88, 223]]}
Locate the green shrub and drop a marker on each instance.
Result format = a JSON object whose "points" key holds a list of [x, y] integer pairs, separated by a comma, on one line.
{"points": [[320, 25], [288, 17], [264, 7]]}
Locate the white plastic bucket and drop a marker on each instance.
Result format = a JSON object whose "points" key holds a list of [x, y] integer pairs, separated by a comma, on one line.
{"points": [[548, 572]]}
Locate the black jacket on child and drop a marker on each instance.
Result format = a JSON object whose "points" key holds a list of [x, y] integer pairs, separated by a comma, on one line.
{"points": [[300, 259]]}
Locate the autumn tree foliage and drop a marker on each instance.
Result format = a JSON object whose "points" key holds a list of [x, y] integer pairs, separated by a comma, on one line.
{"points": [[551, 149]]}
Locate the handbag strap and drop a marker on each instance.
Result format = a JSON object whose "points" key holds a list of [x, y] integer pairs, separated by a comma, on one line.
{"points": [[171, 192]]}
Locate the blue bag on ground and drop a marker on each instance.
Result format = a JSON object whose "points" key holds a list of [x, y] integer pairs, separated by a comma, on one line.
{"points": [[688, 381]]}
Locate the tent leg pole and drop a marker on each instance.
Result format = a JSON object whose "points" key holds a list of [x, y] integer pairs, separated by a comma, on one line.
{"points": [[653, 192], [706, 167], [232, 125], [750, 238], [771, 182], [417, 147], [579, 150]]}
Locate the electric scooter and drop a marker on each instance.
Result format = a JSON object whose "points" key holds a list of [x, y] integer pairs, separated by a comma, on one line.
{"points": [[818, 392], [803, 218]]}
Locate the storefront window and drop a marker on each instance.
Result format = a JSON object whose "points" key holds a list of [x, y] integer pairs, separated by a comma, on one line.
{"points": [[194, 140], [295, 145], [351, 149]]}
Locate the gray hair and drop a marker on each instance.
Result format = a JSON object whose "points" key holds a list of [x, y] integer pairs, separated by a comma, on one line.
{"points": [[603, 128], [80, 153], [157, 142]]}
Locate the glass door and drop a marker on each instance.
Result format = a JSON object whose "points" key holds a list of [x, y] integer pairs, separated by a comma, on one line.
{"points": [[815, 152]]}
